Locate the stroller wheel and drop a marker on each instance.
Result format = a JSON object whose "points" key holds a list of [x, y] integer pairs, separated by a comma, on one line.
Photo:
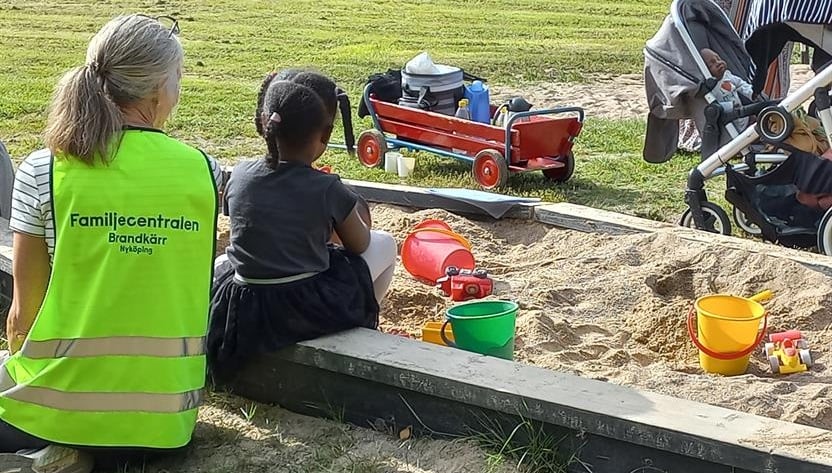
{"points": [[742, 221], [825, 234], [716, 220], [775, 124]]}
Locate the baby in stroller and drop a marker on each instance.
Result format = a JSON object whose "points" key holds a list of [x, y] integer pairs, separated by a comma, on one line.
{"points": [[793, 207], [734, 88], [808, 134]]}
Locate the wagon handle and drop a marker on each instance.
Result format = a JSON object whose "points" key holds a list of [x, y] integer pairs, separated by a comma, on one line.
{"points": [[546, 111], [370, 108]]}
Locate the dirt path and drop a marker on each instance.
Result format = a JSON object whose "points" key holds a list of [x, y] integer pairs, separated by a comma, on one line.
{"points": [[605, 96], [237, 436]]}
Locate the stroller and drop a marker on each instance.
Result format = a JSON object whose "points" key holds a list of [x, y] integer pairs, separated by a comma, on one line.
{"points": [[770, 178]]}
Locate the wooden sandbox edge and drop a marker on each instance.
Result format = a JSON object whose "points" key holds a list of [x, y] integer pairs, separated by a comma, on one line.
{"points": [[370, 378], [587, 219], [421, 198]]}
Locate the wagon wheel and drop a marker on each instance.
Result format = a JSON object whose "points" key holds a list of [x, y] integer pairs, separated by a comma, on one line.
{"points": [[562, 174], [490, 169], [372, 146]]}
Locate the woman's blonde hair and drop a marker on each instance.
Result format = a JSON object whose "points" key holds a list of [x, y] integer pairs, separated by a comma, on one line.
{"points": [[128, 60]]}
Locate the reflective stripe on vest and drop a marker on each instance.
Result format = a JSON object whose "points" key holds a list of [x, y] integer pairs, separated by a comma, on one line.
{"points": [[97, 402], [114, 346]]}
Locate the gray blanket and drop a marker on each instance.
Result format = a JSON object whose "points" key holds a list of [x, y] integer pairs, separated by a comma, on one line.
{"points": [[6, 182], [674, 82]]}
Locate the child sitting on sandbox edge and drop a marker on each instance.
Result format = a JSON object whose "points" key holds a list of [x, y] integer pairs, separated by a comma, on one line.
{"points": [[283, 281]]}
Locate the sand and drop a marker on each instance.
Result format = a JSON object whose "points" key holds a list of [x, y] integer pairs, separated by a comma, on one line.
{"points": [[613, 309], [606, 96]]}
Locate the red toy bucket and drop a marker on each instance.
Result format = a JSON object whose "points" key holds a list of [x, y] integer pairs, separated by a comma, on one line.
{"points": [[431, 247]]}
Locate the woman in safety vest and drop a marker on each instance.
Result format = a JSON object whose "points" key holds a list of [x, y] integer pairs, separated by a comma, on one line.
{"points": [[114, 233]]}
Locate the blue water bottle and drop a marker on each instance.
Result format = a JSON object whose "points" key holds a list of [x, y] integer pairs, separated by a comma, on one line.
{"points": [[478, 102]]}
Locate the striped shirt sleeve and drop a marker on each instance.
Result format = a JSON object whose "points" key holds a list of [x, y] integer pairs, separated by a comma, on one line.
{"points": [[28, 198]]}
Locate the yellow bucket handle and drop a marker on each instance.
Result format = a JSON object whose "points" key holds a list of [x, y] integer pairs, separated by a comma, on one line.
{"points": [[762, 297], [723, 356], [449, 233]]}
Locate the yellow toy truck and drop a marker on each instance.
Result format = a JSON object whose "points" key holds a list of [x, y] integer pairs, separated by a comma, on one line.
{"points": [[788, 352]]}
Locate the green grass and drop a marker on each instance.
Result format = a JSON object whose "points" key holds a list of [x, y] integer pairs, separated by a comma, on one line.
{"points": [[231, 44]]}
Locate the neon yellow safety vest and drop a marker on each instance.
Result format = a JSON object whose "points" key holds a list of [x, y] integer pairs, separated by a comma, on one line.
{"points": [[116, 355]]}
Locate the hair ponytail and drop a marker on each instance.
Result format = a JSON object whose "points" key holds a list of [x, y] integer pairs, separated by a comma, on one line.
{"points": [[273, 159], [259, 121], [346, 119], [127, 60], [83, 119], [291, 115]]}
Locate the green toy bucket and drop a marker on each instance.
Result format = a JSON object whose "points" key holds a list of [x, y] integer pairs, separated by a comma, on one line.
{"points": [[484, 327]]}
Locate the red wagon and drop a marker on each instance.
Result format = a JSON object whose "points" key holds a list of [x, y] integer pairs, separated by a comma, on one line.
{"points": [[537, 140]]}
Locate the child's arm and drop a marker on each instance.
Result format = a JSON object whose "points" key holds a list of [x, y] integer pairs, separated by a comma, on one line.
{"points": [[353, 232], [363, 211]]}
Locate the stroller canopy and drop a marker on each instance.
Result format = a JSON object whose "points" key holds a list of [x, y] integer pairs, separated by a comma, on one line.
{"points": [[675, 72], [770, 24]]}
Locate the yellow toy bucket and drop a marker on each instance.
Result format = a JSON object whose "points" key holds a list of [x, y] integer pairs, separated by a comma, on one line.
{"points": [[726, 331]]}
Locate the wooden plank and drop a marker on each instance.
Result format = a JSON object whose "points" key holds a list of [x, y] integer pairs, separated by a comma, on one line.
{"points": [[586, 219], [420, 198], [5, 247], [313, 391], [663, 423]]}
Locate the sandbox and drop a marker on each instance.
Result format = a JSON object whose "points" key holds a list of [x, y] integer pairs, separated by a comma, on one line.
{"points": [[613, 308]]}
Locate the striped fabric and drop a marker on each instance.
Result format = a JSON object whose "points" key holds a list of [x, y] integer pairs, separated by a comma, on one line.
{"points": [[765, 12], [749, 15]]}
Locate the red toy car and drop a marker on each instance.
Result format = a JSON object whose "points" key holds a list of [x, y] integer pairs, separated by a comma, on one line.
{"points": [[465, 284]]}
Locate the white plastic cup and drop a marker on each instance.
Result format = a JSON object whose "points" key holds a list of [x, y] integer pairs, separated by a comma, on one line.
{"points": [[406, 166], [391, 162]]}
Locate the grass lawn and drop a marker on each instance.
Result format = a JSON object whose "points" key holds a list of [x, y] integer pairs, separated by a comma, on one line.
{"points": [[231, 44]]}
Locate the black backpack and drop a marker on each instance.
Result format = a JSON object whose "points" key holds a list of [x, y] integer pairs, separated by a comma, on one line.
{"points": [[386, 86]]}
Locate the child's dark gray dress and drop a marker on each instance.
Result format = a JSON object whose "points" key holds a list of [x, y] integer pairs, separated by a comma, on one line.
{"points": [[283, 283]]}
